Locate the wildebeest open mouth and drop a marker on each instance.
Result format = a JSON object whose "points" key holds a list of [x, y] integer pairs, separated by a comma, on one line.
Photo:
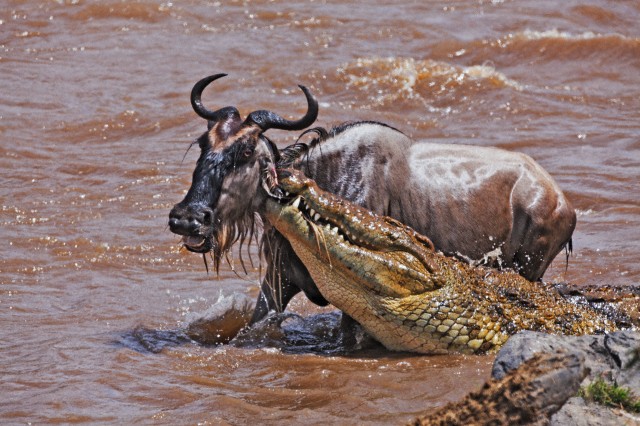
{"points": [[197, 243]]}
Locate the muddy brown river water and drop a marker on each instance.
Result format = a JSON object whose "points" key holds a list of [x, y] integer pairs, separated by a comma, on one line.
{"points": [[94, 124]]}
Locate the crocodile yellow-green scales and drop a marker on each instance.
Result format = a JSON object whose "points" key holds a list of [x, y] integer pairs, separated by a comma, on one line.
{"points": [[408, 297]]}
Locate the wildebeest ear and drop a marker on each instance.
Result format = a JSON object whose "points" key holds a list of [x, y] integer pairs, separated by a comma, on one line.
{"points": [[269, 178]]}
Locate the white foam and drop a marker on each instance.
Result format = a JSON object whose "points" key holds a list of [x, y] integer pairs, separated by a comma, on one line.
{"points": [[488, 72], [554, 33], [587, 212]]}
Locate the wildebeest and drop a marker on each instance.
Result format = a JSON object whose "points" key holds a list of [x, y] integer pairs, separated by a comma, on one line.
{"points": [[485, 205]]}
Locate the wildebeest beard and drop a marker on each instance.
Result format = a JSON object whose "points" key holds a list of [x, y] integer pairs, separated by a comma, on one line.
{"points": [[227, 233]]}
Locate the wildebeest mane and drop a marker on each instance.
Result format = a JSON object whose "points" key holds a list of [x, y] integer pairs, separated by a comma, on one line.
{"points": [[297, 151]]}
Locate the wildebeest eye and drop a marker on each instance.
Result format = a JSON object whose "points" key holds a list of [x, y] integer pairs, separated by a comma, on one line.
{"points": [[247, 152]]}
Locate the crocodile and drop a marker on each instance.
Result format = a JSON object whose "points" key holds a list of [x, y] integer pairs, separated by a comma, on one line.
{"points": [[409, 297]]}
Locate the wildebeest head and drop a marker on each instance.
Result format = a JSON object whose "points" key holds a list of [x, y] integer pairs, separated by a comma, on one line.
{"points": [[235, 159]]}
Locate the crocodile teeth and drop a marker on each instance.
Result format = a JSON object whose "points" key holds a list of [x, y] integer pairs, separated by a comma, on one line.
{"points": [[296, 203], [312, 212], [316, 216]]}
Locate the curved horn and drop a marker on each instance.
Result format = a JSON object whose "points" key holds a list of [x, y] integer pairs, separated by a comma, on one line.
{"points": [[196, 101], [269, 120]]}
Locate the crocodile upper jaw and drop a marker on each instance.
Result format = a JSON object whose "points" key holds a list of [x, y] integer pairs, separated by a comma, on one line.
{"points": [[346, 248]]}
